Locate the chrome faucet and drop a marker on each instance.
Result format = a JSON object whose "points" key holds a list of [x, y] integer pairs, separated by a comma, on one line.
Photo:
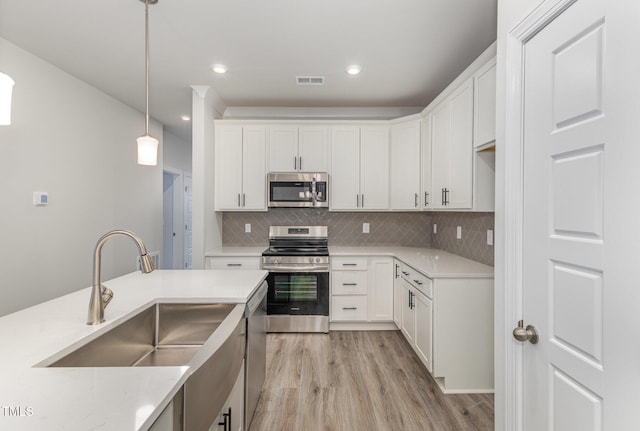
{"points": [[102, 295]]}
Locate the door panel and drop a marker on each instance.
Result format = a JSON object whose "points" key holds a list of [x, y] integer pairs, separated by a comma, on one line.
{"points": [[283, 149], [345, 168], [374, 168], [565, 144], [313, 149], [229, 172], [254, 174]]}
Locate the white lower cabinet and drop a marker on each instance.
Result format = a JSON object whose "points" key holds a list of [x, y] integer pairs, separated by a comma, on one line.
{"points": [[231, 417], [423, 308], [236, 262], [361, 289], [397, 294], [449, 324]]}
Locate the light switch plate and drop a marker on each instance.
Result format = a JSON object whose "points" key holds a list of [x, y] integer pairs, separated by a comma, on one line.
{"points": [[365, 227], [489, 237], [247, 227], [40, 199], [459, 232]]}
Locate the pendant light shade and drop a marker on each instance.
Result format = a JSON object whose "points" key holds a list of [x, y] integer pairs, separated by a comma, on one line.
{"points": [[6, 89], [147, 150], [147, 145]]}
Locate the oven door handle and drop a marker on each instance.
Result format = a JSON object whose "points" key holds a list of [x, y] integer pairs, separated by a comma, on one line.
{"points": [[296, 268]]}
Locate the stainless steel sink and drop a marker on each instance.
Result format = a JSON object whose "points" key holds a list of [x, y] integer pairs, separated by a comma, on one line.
{"points": [[161, 335]]}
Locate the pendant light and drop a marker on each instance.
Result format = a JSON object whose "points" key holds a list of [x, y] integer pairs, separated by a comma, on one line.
{"points": [[147, 145], [6, 88]]}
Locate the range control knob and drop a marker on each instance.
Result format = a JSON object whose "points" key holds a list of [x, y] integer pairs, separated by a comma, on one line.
{"points": [[318, 260]]}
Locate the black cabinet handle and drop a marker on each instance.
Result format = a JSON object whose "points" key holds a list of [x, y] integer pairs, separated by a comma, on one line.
{"points": [[349, 284], [397, 268], [226, 420], [426, 199], [418, 282], [349, 308], [349, 264]]}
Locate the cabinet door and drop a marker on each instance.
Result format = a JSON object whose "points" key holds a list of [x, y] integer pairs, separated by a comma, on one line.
{"points": [[283, 149], [484, 130], [397, 295], [254, 171], [408, 313], [229, 167], [233, 405], [405, 166], [381, 289], [440, 131], [344, 192], [313, 149], [374, 168], [424, 325], [461, 147], [427, 196]]}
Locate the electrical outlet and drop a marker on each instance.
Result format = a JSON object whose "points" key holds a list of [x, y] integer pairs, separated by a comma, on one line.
{"points": [[365, 227], [459, 232], [489, 237], [247, 227], [435, 228]]}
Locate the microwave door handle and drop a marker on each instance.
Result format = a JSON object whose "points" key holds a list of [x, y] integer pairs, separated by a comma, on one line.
{"points": [[314, 193]]}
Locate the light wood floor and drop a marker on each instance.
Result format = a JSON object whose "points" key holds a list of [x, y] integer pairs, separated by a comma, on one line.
{"points": [[358, 381]]}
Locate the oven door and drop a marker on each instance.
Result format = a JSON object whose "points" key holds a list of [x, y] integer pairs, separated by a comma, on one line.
{"points": [[298, 293]]}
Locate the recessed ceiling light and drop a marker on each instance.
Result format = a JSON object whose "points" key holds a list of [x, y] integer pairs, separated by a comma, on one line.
{"points": [[354, 69], [185, 118], [219, 68]]}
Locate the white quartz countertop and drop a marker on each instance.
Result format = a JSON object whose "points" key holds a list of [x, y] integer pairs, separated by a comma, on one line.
{"points": [[252, 251], [120, 398], [431, 262]]}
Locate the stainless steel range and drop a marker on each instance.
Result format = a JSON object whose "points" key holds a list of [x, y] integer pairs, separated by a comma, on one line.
{"points": [[298, 263]]}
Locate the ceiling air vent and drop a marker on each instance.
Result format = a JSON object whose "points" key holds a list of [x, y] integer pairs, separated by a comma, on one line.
{"points": [[310, 80]]}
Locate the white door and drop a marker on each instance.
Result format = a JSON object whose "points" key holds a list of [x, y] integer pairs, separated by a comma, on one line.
{"points": [[168, 228], [405, 166], [254, 171], [344, 192], [460, 186], [374, 168], [408, 312], [380, 273], [580, 219], [427, 196], [188, 221], [228, 167], [424, 328], [313, 149], [440, 135], [283, 149]]}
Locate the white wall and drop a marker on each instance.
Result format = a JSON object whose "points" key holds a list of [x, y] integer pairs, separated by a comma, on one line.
{"points": [[176, 152], [510, 13], [78, 144]]}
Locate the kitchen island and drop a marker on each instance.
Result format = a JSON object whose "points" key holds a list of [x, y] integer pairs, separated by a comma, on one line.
{"points": [[33, 397]]}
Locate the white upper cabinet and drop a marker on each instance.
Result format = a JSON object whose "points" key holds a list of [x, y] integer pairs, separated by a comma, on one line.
{"points": [[298, 149], [484, 110], [283, 149], [313, 149], [452, 150], [405, 166], [359, 168], [374, 168], [344, 191], [240, 168], [426, 198]]}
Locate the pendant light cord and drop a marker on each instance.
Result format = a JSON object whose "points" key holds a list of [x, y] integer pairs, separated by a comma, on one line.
{"points": [[146, 64]]}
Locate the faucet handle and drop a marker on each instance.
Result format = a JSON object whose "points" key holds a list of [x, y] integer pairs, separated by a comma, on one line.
{"points": [[107, 295]]}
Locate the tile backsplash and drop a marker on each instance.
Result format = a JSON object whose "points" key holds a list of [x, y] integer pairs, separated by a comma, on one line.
{"points": [[411, 229], [345, 228], [473, 244]]}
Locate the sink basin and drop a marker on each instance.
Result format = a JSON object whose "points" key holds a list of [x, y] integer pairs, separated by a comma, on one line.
{"points": [[161, 335]]}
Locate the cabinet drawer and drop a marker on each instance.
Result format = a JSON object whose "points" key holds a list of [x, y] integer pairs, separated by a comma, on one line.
{"points": [[418, 280], [349, 308], [349, 283], [242, 262], [349, 263]]}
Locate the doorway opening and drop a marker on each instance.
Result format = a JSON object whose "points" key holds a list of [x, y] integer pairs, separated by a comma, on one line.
{"points": [[177, 219]]}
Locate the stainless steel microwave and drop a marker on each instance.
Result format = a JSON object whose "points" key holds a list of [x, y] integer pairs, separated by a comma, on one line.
{"points": [[296, 190]]}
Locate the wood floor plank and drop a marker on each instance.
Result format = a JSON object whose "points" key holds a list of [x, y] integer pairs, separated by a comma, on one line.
{"points": [[360, 380]]}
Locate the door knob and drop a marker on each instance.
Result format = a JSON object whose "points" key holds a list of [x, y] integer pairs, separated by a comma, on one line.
{"points": [[530, 333]]}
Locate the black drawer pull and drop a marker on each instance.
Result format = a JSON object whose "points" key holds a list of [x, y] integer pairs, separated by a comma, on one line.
{"points": [[349, 308], [349, 284], [349, 264], [234, 264]]}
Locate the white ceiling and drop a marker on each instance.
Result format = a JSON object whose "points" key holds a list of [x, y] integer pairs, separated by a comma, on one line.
{"points": [[409, 50]]}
